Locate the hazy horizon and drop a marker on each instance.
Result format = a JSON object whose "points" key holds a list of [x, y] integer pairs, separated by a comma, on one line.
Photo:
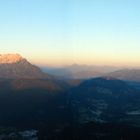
{"points": [[59, 32]]}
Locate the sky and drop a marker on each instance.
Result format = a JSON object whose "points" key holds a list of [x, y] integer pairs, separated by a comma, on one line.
{"points": [[63, 32]]}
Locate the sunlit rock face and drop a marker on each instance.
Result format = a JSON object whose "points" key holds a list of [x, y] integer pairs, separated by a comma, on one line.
{"points": [[14, 66], [10, 58]]}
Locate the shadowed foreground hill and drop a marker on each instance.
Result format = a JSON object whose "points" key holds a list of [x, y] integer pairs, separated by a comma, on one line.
{"points": [[105, 100], [33, 102]]}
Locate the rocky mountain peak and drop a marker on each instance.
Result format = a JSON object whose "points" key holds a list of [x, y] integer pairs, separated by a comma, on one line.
{"points": [[10, 58], [13, 66]]}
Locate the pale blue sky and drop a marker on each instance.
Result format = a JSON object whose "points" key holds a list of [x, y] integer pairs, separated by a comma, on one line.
{"points": [[54, 32]]}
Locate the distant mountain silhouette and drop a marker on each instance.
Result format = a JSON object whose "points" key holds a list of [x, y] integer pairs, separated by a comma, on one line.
{"points": [[13, 66], [76, 71], [126, 74]]}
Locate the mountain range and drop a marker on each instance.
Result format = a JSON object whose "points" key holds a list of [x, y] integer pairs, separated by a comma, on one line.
{"points": [[68, 107]]}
